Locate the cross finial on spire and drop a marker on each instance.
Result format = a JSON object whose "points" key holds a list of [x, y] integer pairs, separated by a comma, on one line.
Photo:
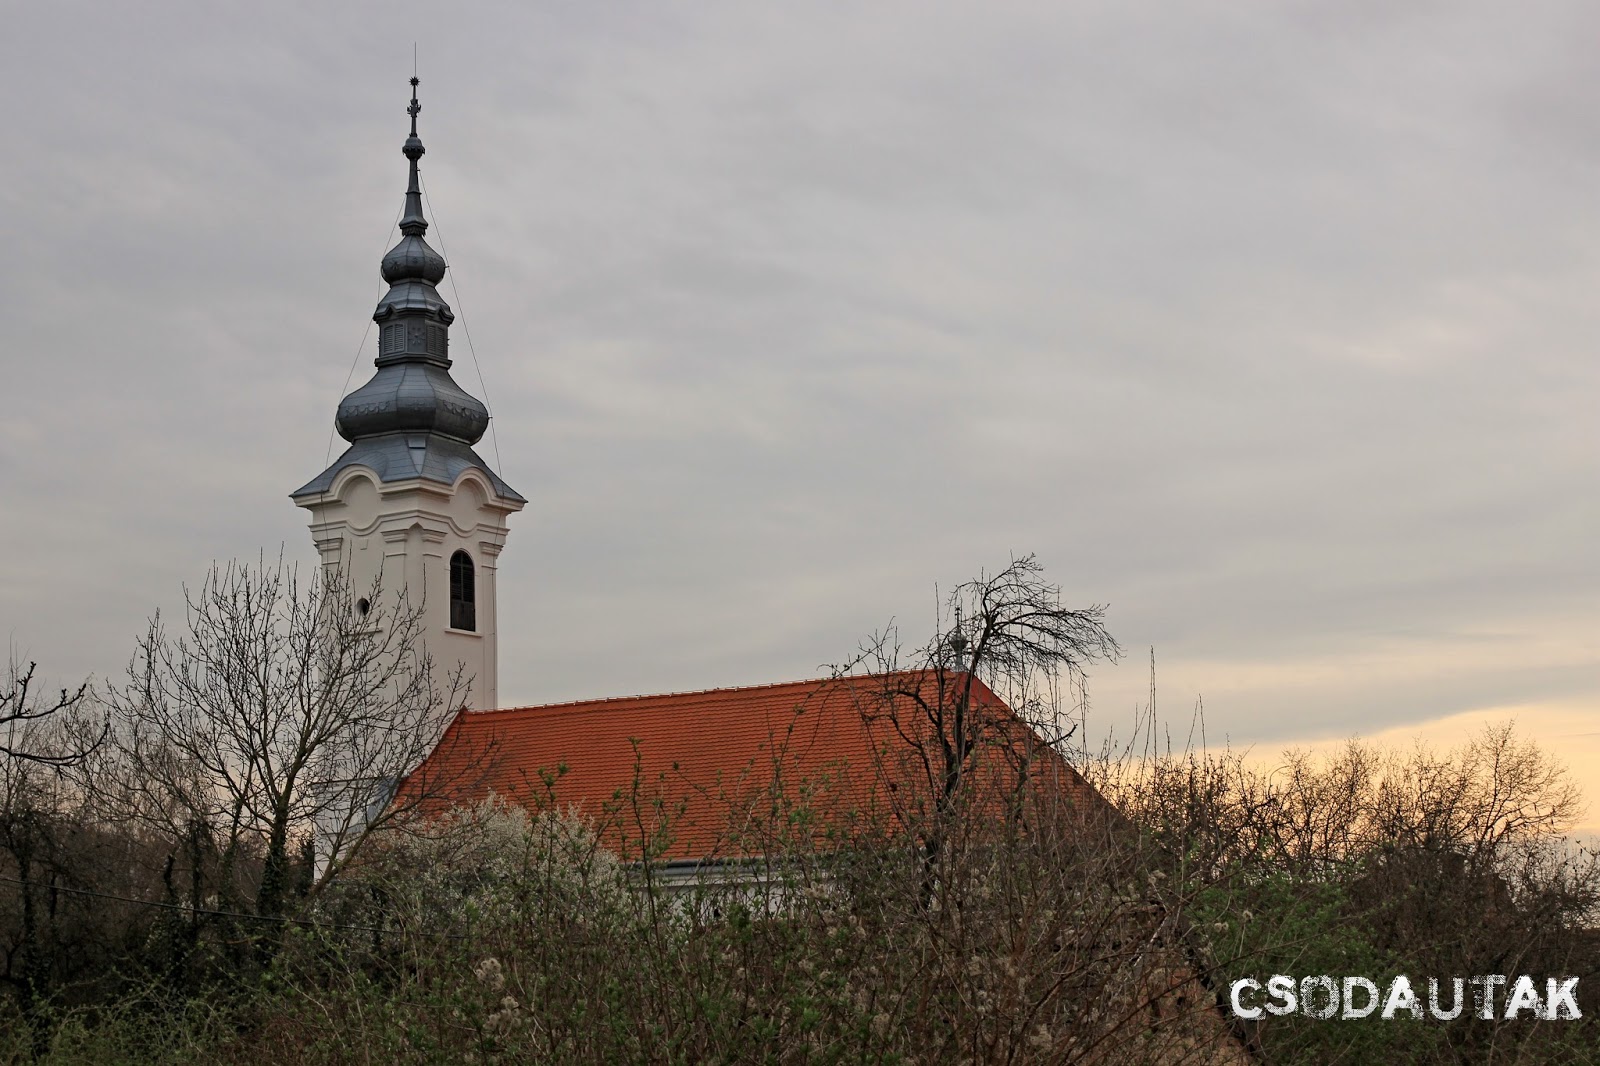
{"points": [[412, 223]]}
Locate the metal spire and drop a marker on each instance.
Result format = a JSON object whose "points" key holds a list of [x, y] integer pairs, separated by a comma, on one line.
{"points": [[411, 419], [958, 643], [412, 224]]}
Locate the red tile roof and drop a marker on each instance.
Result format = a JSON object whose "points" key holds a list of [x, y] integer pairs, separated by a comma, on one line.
{"points": [[713, 767]]}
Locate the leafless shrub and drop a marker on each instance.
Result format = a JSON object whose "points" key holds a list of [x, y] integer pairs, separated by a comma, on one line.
{"points": [[278, 712]]}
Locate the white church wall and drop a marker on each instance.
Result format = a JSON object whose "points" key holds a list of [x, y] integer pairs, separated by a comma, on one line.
{"points": [[402, 536]]}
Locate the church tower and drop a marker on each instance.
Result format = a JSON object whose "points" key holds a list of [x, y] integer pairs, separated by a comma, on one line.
{"points": [[410, 502]]}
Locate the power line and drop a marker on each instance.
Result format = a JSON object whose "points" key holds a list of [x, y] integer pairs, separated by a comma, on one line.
{"points": [[333, 428], [306, 922], [494, 438]]}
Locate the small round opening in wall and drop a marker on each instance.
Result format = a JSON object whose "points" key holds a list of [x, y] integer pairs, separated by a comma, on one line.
{"points": [[363, 606]]}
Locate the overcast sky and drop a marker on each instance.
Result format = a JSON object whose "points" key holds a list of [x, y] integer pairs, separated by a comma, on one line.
{"points": [[1272, 326]]}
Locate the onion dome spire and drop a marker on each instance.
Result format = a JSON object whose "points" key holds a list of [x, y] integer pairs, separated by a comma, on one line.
{"points": [[413, 389], [412, 259], [411, 420]]}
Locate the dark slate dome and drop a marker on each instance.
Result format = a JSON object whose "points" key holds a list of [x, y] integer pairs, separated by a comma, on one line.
{"points": [[412, 397], [413, 260]]}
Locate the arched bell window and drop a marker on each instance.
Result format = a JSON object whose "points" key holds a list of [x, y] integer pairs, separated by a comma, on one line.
{"points": [[463, 593]]}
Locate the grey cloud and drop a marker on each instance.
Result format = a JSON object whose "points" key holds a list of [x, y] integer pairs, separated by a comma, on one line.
{"points": [[1271, 326]]}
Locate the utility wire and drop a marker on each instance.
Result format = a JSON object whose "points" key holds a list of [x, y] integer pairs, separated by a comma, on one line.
{"points": [[224, 914], [334, 425], [494, 438]]}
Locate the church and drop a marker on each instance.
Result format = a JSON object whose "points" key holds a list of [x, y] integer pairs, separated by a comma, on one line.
{"points": [[411, 497], [715, 787]]}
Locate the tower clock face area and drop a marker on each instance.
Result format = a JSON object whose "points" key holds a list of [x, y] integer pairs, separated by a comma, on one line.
{"points": [[410, 507]]}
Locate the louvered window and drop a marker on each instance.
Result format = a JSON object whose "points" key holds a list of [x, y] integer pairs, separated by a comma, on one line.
{"points": [[394, 339]]}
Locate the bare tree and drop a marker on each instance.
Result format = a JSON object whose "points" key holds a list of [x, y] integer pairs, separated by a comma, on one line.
{"points": [[40, 820], [1008, 634], [287, 708]]}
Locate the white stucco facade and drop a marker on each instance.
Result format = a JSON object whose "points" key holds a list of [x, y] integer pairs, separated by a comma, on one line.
{"points": [[402, 535]]}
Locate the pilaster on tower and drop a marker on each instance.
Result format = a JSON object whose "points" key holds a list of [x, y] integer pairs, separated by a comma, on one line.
{"points": [[410, 502]]}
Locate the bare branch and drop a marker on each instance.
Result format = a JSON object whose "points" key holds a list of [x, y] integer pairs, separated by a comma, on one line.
{"points": [[19, 711]]}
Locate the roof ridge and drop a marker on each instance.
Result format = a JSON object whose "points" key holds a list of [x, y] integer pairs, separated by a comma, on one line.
{"points": [[688, 692]]}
